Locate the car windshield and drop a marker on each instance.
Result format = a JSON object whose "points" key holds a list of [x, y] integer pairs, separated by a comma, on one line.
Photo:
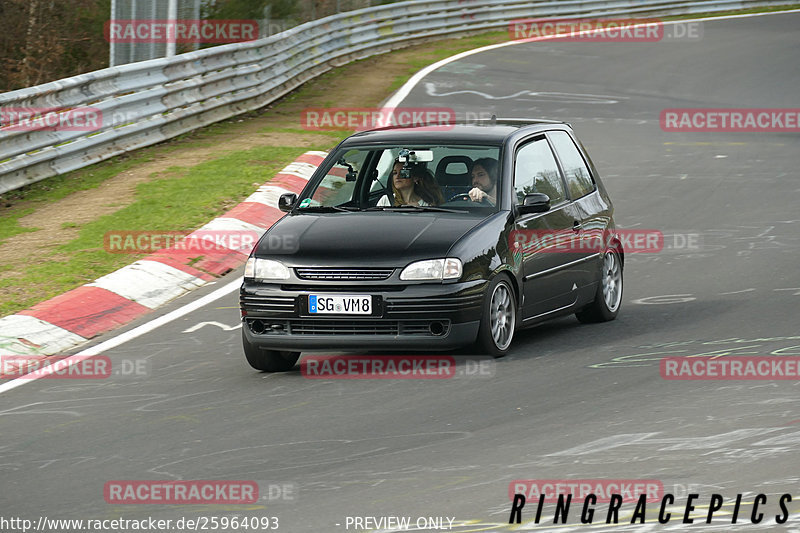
{"points": [[415, 178]]}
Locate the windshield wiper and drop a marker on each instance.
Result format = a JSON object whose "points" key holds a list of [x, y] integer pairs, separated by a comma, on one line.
{"points": [[416, 208], [328, 208]]}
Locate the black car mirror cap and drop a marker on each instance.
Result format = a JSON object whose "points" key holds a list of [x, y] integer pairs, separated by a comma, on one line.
{"points": [[286, 201], [536, 202]]}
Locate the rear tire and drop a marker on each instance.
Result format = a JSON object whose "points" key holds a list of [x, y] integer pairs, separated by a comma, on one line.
{"points": [[608, 298], [268, 360], [499, 318]]}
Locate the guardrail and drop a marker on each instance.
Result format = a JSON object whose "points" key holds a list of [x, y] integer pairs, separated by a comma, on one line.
{"points": [[151, 101]]}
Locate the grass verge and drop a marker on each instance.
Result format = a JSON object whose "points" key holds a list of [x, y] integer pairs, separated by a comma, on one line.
{"points": [[182, 199]]}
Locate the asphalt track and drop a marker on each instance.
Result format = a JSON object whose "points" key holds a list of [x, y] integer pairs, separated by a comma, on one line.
{"points": [[570, 401]]}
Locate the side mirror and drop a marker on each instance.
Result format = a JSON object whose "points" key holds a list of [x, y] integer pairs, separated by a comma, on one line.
{"points": [[286, 201], [536, 202]]}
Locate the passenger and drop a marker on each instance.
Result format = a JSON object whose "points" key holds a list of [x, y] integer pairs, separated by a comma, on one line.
{"points": [[484, 180], [420, 188]]}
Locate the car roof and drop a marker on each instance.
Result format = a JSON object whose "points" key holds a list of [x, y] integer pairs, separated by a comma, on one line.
{"points": [[494, 131]]}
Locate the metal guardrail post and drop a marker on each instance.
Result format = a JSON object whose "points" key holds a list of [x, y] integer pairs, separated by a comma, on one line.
{"points": [[172, 16]]}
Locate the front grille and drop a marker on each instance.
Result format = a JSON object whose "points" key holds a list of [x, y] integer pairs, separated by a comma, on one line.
{"points": [[336, 327], [365, 327], [339, 287], [344, 274], [267, 304]]}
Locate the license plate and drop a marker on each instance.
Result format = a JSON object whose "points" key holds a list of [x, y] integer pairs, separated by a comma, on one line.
{"points": [[340, 304]]}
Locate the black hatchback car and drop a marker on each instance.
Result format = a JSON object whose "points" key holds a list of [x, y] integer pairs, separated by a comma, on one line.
{"points": [[434, 238]]}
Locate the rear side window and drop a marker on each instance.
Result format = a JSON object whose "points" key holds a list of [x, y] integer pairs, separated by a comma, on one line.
{"points": [[579, 180], [536, 171]]}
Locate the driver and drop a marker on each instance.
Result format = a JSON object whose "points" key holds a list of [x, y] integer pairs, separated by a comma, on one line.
{"points": [[484, 180], [419, 188]]}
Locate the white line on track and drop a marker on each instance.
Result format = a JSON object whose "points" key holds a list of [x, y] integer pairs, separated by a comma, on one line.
{"points": [[394, 101], [122, 338]]}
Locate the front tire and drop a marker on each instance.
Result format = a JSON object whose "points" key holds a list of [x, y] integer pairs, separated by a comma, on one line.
{"points": [[608, 298], [499, 318], [268, 360]]}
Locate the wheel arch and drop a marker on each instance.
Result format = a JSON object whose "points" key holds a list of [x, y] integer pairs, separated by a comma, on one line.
{"points": [[616, 244], [514, 281]]}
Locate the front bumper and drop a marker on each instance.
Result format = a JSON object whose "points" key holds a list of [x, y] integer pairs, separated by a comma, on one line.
{"points": [[424, 316]]}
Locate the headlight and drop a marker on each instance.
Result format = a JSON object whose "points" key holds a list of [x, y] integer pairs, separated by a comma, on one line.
{"points": [[265, 269], [433, 269]]}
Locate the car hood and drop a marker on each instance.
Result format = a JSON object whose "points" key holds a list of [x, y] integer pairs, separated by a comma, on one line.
{"points": [[379, 238]]}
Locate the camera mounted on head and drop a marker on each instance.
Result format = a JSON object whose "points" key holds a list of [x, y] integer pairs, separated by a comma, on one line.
{"points": [[412, 158]]}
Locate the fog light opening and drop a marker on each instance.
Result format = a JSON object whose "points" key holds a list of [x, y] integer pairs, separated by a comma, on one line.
{"points": [[257, 327], [436, 328]]}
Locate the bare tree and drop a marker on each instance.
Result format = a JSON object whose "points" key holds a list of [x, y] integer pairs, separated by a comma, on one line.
{"points": [[45, 40]]}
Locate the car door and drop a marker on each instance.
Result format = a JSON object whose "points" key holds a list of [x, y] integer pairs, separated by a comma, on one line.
{"points": [[588, 209], [545, 240]]}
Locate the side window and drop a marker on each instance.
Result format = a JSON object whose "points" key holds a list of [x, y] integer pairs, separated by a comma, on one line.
{"points": [[536, 171], [579, 180]]}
